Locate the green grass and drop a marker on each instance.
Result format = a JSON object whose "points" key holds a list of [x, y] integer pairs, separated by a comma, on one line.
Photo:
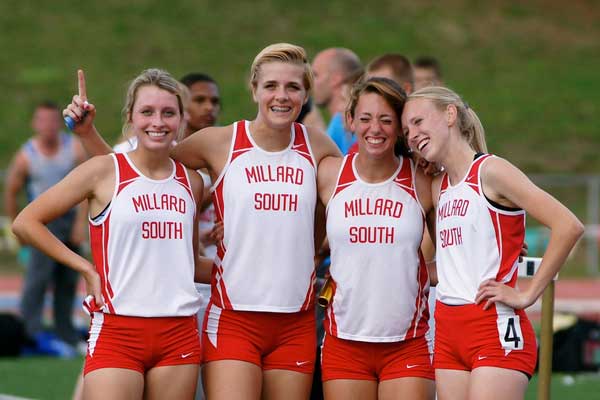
{"points": [[39, 377], [568, 386], [51, 378], [529, 69]]}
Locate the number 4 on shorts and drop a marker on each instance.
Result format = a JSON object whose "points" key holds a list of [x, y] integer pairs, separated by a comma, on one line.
{"points": [[509, 330], [511, 333]]}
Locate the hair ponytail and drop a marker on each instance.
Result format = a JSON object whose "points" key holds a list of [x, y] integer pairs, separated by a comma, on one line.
{"points": [[476, 133], [468, 122]]}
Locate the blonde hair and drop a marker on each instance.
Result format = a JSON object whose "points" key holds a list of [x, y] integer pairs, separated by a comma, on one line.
{"points": [[282, 52], [186, 98], [469, 124], [391, 92], [152, 77]]}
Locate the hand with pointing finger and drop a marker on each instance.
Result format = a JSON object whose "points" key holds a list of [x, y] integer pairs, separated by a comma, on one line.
{"points": [[79, 115]]}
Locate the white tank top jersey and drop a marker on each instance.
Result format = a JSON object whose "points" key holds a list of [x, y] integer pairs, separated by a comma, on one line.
{"points": [[477, 240], [380, 279], [266, 201], [142, 244]]}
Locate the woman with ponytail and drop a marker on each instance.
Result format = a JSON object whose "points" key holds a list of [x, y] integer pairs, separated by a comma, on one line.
{"points": [[484, 344]]}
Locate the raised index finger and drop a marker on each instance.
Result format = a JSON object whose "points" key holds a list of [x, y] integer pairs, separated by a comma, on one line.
{"points": [[81, 84]]}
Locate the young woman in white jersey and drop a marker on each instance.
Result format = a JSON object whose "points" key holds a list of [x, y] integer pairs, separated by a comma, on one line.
{"points": [[258, 338], [484, 345], [143, 335], [377, 207]]}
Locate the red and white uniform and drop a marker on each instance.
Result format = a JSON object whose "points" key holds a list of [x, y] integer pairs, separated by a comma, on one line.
{"points": [[266, 201], [381, 282], [142, 244], [478, 240]]}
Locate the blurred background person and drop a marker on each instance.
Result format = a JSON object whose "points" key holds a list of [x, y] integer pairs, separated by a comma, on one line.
{"points": [[428, 72], [393, 66], [332, 67], [47, 157], [204, 106]]}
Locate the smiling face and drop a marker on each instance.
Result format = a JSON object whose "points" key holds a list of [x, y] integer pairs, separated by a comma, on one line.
{"points": [[375, 124], [425, 127], [280, 93], [155, 117]]}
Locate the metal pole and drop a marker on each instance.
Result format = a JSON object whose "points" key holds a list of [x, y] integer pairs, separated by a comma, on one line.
{"points": [[593, 200], [545, 363]]}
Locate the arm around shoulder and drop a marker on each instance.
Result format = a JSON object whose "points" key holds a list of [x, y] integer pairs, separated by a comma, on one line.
{"points": [[197, 185], [202, 265], [327, 174], [207, 148], [322, 145], [424, 185], [93, 143]]}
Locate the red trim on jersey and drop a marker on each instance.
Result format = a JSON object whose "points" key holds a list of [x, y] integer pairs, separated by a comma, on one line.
{"points": [[444, 184], [182, 178], [354, 148], [404, 179], [219, 205], [423, 324], [218, 202], [421, 315], [219, 295], [309, 301], [331, 324], [126, 173], [218, 290], [242, 143], [347, 176], [99, 245], [509, 229], [300, 146], [473, 175], [510, 234]]}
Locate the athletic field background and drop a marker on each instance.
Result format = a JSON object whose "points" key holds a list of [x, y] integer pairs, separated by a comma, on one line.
{"points": [[529, 69]]}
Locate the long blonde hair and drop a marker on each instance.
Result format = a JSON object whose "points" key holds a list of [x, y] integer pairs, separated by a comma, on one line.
{"points": [[152, 77], [469, 124]]}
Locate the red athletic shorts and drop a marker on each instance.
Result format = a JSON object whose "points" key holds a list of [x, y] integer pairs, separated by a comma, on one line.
{"points": [[269, 340], [141, 343], [467, 337], [351, 359]]}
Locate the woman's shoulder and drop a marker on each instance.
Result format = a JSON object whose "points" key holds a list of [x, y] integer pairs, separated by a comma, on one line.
{"points": [[321, 144], [212, 134], [102, 163]]}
